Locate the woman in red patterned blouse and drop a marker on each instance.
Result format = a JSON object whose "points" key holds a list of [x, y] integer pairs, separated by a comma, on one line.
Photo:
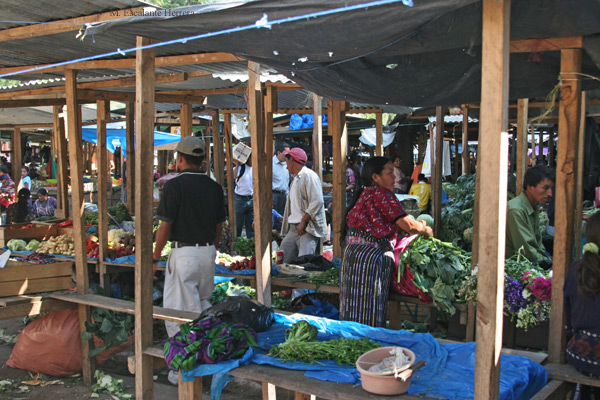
{"points": [[374, 221]]}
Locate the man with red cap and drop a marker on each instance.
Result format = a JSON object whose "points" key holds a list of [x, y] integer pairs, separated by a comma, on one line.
{"points": [[304, 216]]}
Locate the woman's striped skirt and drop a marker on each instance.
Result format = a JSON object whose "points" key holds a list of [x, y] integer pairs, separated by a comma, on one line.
{"points": [[365, 276]]}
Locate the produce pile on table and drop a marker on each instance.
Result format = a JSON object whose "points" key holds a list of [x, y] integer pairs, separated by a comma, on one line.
{"points": [[22, 245], [63, 244]]}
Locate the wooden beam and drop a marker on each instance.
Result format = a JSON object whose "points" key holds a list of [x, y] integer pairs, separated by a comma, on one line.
{"points": [[31, 103], [230, 179], [103, 168], [144, 160], [490, 232], [185, 117], [522, 115], [64, 25], [317, 138], [437, 163], [95, 95], [339, 131], [130, 140], [379, 134], [541, 45], [16, 156], [61, 163], [577, 227], [261, 186], [568, 127], [466, 159], [218, 162], [188, 59], [76, 164]]}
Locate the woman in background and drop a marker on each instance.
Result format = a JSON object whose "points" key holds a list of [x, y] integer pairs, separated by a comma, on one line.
{"points": [[21, 211], [582, 309], [44, 205], [25, 182], [375, 220]]}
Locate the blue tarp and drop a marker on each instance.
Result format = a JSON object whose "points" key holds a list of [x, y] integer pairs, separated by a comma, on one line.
{"points": [[449, 374], [115, 136]]}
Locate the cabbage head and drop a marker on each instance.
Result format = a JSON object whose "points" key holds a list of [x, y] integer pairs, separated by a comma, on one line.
{"points": [[32, 245], [16, 245]]}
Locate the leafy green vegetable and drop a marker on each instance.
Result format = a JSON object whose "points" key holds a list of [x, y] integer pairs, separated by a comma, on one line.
{"points": [[437, 267], [16, 245], [32, 245], [343, 351], [227, 289], [107, 384], [244, 246], [113, 328], [330, 277], [91, 218], [119, 212], [301, 331]]}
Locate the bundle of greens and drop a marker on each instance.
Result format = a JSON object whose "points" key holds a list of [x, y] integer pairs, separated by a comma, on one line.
{"points": [[300, 345], [457, 216], [244, 247], [119, 212], [437, 267], [112, 327]]}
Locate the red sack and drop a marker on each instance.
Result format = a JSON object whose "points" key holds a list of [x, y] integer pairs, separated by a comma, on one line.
{"points": [[51, 345], [407, 287], [4, 202]]}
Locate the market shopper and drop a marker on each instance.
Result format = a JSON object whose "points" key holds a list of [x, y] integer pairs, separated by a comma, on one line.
{"points": [[25, 181], [582, 311], [522, 216], [44, 205], [375, 221], [350, 185], [304, 221], [244, 204], [22, 210], [423, 190], [7, 188], [281, 181], [401, 181], [191, 211]]}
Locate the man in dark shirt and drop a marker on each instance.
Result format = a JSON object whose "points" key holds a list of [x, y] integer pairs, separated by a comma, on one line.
{"points": [[191, 211]]}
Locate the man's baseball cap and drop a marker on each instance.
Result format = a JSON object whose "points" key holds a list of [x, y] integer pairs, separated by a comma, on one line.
{"points": [[191, 145], [297, 154]]}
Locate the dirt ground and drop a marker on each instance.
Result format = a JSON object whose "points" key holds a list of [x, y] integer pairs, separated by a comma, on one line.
{"points": [[12, 386]]}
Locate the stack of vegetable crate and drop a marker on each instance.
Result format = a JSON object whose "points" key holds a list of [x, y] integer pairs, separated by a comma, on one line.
{"points": [[26, 231], [19, 277]]}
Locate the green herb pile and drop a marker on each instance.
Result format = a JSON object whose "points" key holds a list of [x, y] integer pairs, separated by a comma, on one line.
{"points": [[91, 218], [330, 277], [227, 289], [244, 247], [300, 345], [113, 328], [119, 212], [437, 267]]}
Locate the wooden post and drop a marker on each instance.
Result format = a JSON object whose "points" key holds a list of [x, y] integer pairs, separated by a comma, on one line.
{"points": [[466, 165], [379, 134], [61, 163], [522, 115], [437, 163], [130, 139], [217, 148], [17, 155], [577, 228], [185, 117], [144, 160], [493, 148], [230, 187], [551, 151], [339, 132], [261, 186], [76, 163], [102, 110], [568, 125], [317, 138], [270, 105]]}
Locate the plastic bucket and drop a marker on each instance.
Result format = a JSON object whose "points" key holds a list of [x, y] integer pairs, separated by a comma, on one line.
{"points": [[384, 384]]}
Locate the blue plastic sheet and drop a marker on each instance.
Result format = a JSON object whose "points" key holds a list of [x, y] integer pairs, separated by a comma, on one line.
{"points": [[303, 121], [449, 374]]}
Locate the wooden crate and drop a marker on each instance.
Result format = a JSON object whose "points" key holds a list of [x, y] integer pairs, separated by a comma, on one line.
{"points": [[19, 277], [40, 232]]}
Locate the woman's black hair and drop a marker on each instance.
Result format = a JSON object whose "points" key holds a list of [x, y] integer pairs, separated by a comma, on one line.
{"points": [[588, 270], [42, 191], [23, 204], [25, 168], [373, 165], [4, 169]]}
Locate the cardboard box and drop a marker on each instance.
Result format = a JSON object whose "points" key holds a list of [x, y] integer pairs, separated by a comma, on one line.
{"points": [[40, 232], [19, 277]]}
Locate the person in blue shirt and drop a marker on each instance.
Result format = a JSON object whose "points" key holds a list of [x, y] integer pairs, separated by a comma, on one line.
{"points": [[281, 180]]}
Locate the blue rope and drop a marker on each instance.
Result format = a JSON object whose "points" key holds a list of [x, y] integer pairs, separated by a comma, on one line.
{"points": [[261, 23]]}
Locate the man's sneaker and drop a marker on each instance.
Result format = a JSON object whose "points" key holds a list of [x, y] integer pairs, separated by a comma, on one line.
{"points": [[173, 378]]}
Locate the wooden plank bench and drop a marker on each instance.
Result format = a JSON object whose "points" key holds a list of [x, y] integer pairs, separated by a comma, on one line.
{"points": [[23, 306], [568, 373]]}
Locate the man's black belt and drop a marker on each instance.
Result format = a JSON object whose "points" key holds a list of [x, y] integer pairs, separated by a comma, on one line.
{"points": [[244, 197], [184, 244]]}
